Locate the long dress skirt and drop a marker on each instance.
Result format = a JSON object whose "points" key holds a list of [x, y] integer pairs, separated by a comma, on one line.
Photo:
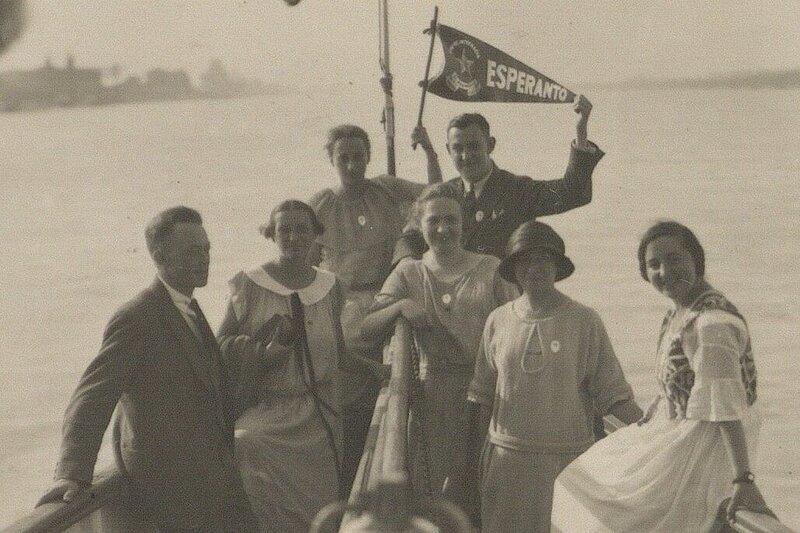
{"points": [[291, 483]]}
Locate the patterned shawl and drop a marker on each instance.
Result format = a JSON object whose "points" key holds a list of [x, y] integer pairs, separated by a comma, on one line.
{"points": [[676, 375]]}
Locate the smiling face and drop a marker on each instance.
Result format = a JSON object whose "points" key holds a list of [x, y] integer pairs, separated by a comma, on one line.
{"points": [[440, 221], [535, 271], [183, 257], [470, 149], [350, 157], [294, 233], [671, 268]]}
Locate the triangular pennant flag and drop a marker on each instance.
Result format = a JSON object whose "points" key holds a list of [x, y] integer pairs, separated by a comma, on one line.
{"points": [[478, 72]]}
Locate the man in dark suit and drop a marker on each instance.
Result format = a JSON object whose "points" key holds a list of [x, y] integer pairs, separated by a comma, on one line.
{"points": [[495, 201], [159, 362]]}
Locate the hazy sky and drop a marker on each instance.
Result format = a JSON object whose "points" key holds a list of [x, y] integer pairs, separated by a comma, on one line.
{"points": [[330, 41]]}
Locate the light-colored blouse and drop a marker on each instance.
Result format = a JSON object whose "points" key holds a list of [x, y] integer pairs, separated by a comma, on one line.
{"points": [[543, 377], [705, 366], [460, 308], [360, 233]]}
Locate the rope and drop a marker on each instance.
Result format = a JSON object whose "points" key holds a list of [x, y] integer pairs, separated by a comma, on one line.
{"points": [[418, 427]]}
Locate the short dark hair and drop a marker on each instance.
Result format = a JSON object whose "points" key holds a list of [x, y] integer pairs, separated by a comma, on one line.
{"points": [[268, 229], [465, 120], [688, 239], [432, 192], [344, 131], [160, 226]]}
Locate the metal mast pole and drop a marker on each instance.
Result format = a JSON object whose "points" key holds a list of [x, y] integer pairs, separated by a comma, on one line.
{"points": [[386, 83]]}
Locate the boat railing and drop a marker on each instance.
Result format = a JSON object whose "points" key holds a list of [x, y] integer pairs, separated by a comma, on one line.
{"points": [[385, 452], [104, 507]]}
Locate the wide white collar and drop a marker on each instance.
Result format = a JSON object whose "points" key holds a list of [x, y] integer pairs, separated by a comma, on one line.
{"points": [[313, 293]]}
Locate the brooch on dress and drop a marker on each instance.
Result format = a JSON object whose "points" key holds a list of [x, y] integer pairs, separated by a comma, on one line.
{"points": [[446, 299]]}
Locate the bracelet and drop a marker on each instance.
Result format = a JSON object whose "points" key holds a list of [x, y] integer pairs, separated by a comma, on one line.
{"points": [[746, 477]]}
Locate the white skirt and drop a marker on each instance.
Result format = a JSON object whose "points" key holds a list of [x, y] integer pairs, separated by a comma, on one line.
{"points": [[666, 475]]}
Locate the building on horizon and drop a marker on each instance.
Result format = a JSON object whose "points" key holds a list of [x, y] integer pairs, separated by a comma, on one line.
{"points": [[50, 86], [66, 86]]}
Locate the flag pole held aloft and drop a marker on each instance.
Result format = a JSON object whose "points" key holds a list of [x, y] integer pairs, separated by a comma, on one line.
{"points": [[475, 71], [424, 82]]}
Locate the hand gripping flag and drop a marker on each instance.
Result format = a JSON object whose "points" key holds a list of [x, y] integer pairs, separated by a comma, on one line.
{"points": [[477, 72]]}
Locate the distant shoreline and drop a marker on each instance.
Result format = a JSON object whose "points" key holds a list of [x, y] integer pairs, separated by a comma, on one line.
{"points": [[787, 79], [71, 86], [33, 105]]}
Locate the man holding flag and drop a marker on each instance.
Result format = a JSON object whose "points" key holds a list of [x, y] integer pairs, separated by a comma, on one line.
{"points": [[495, 201]]}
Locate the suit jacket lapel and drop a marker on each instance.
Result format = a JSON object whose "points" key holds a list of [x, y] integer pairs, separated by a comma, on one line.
{"points": [[193, 349]]}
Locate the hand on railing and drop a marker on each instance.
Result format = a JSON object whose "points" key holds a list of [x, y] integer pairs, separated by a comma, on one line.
{"points": [[747, 496], [65, 490]]}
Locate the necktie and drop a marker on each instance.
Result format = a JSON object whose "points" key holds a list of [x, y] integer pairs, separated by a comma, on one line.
{"points": [[207, 336], [470, 203], [303, 351], [301, 342], [217, 374]]}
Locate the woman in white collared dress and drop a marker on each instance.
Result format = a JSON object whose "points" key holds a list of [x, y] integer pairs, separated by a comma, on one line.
{"points": [[288, 437]]}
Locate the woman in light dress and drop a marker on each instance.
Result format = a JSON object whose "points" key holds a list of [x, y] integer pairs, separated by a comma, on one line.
{"points": [[446, 296], [363, 218], [288, 437], [695, 444], [546, 365]]}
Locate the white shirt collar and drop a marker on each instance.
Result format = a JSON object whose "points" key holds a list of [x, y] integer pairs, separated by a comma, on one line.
{"points": [[478, 185], [180, 300]]}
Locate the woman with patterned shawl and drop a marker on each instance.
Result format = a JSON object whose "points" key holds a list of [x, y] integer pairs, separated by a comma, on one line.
{"points": [[695, 444]]}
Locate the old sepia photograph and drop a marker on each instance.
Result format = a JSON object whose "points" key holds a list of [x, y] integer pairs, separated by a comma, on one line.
{"points": [[382, 265]]}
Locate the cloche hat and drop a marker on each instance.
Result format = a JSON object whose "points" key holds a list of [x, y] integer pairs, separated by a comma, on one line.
{"points": [[530, 235]]}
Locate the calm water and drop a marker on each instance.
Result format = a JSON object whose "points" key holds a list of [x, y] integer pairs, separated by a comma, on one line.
{"points": [[79, 185]]}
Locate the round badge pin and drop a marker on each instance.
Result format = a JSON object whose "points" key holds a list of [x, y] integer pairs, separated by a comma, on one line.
{"points": [[362, 220], [446, 299], [479, 216], [555, 346]]}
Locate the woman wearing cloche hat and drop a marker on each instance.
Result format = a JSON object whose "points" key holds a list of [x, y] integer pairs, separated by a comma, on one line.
{"points": [[545, 364]]}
